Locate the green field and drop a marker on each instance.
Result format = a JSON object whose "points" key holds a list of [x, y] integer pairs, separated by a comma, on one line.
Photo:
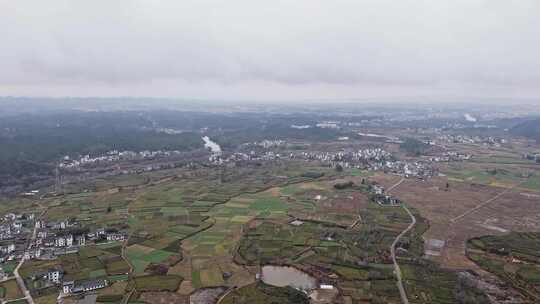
{"points": [[156, 283], [215, 230]]}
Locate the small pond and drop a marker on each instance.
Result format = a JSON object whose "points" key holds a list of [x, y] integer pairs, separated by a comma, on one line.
{"points": [[282, 276]]}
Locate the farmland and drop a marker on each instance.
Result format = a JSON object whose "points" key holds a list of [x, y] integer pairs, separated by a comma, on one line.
{"points": [[260, 294], [200, 229], [514, 257], [450, 218], [9, 290]]}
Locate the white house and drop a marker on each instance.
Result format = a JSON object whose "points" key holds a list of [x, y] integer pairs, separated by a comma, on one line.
{"points": [[81, 240], [54, 275], [69, 240], [115, 236], [67, 286], [79, 287], [60, 241]]}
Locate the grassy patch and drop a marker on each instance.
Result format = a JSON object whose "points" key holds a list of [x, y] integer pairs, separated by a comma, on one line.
{"points": [[11, 290], [157, 283]]}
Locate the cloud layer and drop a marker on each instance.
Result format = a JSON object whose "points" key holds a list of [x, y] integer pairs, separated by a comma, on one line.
{"points": [[270, 49]]}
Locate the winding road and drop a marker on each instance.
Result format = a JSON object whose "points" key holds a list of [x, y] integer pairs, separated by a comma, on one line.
{"points": [[397, 270]]}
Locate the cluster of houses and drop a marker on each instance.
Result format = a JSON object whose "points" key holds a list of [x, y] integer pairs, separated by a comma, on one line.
{"points": [[267, 143], [372, 159], [364, 156], [448, 156], [54, 277], [322, 125], [245, 157], [470, 139], [64, 237], [24, 236], [113, 156], [15, 229]]}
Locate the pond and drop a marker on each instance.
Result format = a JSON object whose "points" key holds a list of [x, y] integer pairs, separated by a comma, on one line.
{"points": [[282, 276]]}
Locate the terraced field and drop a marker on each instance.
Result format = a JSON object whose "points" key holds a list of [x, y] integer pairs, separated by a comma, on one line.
{"points": [[514, 257]]}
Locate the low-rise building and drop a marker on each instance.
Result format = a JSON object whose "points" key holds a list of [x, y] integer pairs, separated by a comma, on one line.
{"points": [[54, 275], [70, 287]]}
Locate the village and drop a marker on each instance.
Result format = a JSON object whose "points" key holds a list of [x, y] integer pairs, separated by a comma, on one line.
{"points": [[25, 237]]}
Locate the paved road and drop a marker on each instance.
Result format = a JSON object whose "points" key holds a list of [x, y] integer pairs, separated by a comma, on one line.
{"points": [[397, 270]]}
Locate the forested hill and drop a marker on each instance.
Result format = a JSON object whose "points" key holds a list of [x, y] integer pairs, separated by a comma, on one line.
{"points": [[530, 129]]}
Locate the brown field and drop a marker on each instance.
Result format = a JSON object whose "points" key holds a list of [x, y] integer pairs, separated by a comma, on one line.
{"points": [[12, 290], [352, 203], [510, 211], [164, 298], [385, 180]]}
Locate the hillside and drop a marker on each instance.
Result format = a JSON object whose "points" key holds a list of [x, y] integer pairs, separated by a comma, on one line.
{"points": [[530, 129]]}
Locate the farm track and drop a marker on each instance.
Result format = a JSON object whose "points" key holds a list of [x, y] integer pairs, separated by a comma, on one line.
{"points": [[487, 202], [395, 185], [397, 270], [126, 298]]}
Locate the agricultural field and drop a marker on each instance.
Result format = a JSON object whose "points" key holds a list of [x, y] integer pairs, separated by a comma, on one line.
{"points": [[260, 293], [355, 257], [203, 229], [514, 257], [9, 290], [464, 210], [182, 231]]}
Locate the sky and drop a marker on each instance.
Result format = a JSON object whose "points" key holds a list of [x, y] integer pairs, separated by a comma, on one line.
{"points": [[271, 50]]}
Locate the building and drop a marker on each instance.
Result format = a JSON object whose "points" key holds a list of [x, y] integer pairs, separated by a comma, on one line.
{"points": [[64, 241], [115, 236], [60, 242], [54, 275], [80, 240], [69, 287], [69, 240], [9, 248]]}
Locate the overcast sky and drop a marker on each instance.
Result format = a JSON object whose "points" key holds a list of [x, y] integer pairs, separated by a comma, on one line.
{"points": [[297, 49]]}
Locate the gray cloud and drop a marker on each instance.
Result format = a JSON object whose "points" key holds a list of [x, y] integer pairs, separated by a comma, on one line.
{"points": [[278, 49]]}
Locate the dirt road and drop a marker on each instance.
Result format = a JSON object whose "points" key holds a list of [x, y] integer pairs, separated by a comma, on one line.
{"points": [[397, 270]]}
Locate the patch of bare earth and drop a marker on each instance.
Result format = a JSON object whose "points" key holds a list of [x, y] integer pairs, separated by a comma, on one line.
{"points": [[510, 211], [207, 295], [164, 298]]}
